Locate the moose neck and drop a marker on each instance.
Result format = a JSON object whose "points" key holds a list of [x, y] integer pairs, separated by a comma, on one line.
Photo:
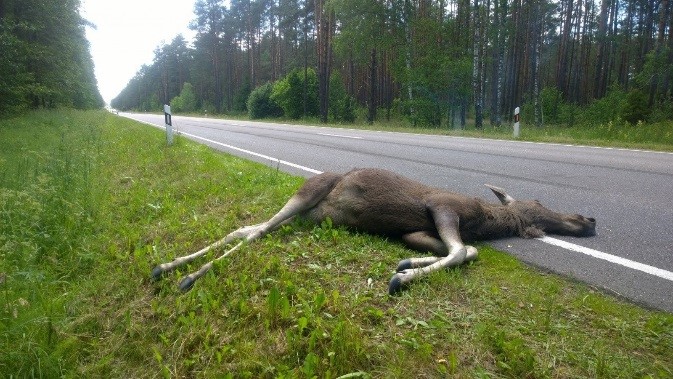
{"points": [[499, 221]]}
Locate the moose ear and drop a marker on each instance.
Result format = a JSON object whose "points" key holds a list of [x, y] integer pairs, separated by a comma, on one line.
{"points": [[505, 199]]}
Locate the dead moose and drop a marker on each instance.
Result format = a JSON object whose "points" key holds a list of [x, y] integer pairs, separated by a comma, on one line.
{"points": [[426, 219]]}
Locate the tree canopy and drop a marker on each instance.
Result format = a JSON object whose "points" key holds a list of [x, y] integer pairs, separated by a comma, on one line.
{"points": [[430, 61], [44, 57]]}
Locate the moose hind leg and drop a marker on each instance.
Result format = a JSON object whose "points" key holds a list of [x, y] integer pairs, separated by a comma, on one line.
{"points": [[308, 196], [311, 193], [248, 234]]}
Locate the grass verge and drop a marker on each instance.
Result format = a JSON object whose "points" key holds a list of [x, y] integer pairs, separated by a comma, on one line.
{"points": [[89, 202]]}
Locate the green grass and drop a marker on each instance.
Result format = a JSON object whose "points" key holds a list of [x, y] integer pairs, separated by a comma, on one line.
{"points": [[89, 202]]}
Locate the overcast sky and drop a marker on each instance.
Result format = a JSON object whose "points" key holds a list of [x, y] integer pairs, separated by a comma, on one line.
{"points": [[127, 33]]}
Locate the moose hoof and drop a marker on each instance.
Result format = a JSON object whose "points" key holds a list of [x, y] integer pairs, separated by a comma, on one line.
{"points": [[471, 253], [186, 284], [157, 272], [396, 285], [404, 264]]}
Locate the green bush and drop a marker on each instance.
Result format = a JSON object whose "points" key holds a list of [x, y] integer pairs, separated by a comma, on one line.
{"points": [[423, 110], [552, 100], [341, 105], [288, 93], [556, 111], [661, 111], [208, 108], [635, 108], [606, 109], [241, 98], [186, 101], [261, 104]]}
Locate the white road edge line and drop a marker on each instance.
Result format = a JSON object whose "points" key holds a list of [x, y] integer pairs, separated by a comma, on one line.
{"points": [[661, 273], [610, 258], [338, 135], [273, 159]]}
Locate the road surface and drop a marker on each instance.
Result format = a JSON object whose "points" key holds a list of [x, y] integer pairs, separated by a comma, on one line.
{"points": [[629, 192]]}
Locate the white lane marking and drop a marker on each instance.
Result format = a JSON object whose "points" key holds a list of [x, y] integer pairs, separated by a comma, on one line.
{"points": [[338, 135], [610, 258], [661, 273], [273, 159]]}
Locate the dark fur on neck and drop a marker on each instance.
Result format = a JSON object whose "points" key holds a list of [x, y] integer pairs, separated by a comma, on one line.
{"points": [[498, 221]]}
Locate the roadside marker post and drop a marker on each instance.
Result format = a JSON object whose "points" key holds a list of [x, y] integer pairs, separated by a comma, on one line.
{"points": [[169, 124], [516, 122]]}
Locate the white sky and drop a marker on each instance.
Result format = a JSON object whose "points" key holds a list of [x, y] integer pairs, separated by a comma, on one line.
{"points": [[127, 33]]}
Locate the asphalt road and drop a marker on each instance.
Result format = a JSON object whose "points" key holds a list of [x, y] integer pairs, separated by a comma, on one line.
{"points": [[629, 192]]}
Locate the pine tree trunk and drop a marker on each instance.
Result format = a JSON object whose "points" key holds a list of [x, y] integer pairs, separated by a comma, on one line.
{"points": [[563, 56], [538, 30], [407, 32], [601, 64], [324, 26], [371, 116], [476, 70], [624, 59], [496, 78], [659, 44]]}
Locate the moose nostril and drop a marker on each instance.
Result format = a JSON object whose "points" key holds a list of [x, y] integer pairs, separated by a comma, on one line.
{"points": [[591, 219]]}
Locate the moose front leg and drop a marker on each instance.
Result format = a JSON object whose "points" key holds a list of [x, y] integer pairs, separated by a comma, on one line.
{"points": [[456, 253], [427, 242]]}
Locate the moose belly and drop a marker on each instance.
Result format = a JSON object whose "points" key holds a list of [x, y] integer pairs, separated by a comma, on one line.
{"points": [[392, 215]]}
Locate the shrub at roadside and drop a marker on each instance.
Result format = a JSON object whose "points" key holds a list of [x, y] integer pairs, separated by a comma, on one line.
{"points": [[261, 105], [289, 97], [635, 107], [341, 105], [186, 101], [289, 94]]}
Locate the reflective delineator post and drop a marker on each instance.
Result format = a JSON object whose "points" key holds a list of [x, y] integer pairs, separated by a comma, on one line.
{"points": [[516, 122], [169, 124]]}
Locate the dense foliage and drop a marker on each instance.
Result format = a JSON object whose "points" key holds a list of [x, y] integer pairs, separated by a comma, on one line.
{"points": [[261, 105], [430, 61], [297, 93], [44, 57], [186, 102]]}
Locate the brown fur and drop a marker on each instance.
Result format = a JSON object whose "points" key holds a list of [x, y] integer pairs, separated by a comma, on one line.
{"points": [[382, 202]]}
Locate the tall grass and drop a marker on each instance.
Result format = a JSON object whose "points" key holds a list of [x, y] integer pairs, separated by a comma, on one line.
{"points": [[48, 208], [90, 202]]}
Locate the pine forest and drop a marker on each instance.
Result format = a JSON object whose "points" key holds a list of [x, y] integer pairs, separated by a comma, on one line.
{"points": [[431, 62], [44, 57]]}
